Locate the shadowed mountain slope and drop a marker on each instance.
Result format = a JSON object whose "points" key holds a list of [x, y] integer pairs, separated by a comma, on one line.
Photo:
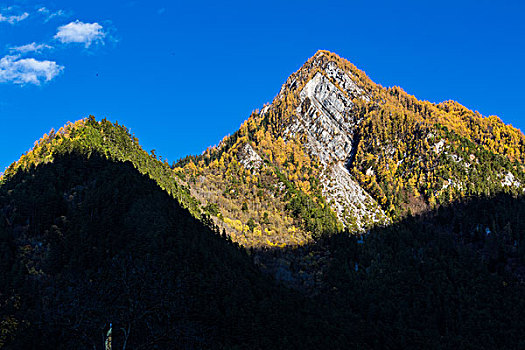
{"points": [[86, 242], [453, 278]]}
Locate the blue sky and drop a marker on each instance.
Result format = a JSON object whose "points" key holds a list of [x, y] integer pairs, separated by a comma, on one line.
{"points": [[181, 75]]}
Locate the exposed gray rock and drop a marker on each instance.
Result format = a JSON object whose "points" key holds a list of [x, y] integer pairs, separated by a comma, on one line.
{"points": [[438, 147], [510, 181], [249, 158], [326, 117], [352, 204]]}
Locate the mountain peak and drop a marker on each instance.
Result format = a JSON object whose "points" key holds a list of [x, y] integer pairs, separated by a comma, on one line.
{"points": [[319, 54], [322, 56], [342, 73], [370, 153]]}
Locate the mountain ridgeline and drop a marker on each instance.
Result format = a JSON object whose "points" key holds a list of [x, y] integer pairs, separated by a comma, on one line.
{"points": [[335, 149], [341, 215], [114, 142]]}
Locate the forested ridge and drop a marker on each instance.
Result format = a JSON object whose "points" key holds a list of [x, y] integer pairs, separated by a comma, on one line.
{"points": [[88, 136]]}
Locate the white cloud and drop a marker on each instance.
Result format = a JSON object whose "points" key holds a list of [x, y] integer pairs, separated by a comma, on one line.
{"points": [[23, 71], [32, 47], [80, 32], [49, 14], [12, 19]]}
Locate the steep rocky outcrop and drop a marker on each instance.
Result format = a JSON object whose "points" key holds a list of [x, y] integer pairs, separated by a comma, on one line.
{"points": [[249, 158], [326, 117]]}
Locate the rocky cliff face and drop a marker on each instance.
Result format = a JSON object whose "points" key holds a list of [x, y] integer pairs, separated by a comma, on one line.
{"points": [[327, 120], [249, 158]]}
